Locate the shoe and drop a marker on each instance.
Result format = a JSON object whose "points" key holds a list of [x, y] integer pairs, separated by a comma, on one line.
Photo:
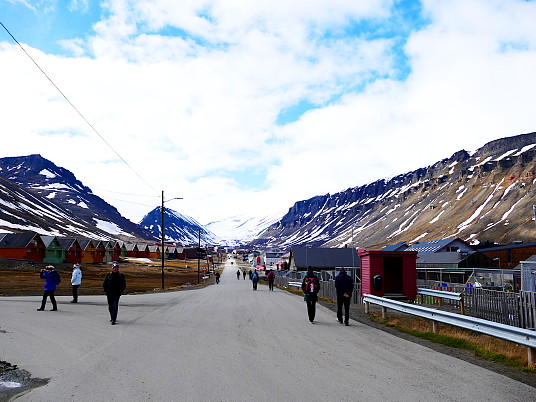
{"points": [[113, 322], [346, 324], [74, 301], [339, 321], [54, 309], [312, 322], [40, 309]]}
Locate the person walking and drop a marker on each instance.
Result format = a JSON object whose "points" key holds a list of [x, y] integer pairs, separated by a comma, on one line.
{"points": [[255, 279], [217, 275], [76, 281], [345, 286], [52, 280], [238, 274], [310, 287], [271, 278], [244, 274], [114, 285]]}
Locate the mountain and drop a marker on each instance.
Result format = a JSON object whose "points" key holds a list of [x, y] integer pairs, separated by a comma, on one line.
{"points": [[177, 227], [40, 196], [483, 196], [240, 229]]}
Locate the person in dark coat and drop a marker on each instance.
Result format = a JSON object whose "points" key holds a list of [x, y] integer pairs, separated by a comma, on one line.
{"points": [[238, 274], [52, 280], [310, 287], [114, 285], [345, 286]]}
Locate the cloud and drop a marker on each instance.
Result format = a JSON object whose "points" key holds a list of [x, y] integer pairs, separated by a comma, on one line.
{"points": [[191, 95]]}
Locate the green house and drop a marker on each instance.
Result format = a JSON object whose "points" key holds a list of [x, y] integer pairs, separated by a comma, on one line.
{"points": [[54, 253]]}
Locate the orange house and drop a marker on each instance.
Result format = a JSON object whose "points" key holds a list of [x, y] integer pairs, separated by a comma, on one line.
{"points": [[88, 251], [100, 251], [22, 246]]}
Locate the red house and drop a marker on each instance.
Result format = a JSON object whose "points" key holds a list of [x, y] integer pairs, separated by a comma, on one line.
{"points": [[22, 246], [72, 249], [391, 274]]}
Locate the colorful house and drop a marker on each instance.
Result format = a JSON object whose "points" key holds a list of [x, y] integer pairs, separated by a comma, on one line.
{"points": [[71, 249], [132, 250], [154, 252], [100, 251], [88, 251], [22, 246], [54, 253]]}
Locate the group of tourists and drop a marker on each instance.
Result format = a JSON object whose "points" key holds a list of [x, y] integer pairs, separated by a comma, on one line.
{"points": [[114, 285], [344, 286]]}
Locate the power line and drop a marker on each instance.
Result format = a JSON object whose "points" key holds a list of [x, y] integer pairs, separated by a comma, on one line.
{"points": [[76, 109]]}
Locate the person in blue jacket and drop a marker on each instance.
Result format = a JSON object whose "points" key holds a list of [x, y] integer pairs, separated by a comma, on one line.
{"points": [[52, 280], [345, 286], [255, 279]]}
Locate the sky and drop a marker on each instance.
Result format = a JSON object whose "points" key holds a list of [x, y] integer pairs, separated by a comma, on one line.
{"points": [[245, 107]]}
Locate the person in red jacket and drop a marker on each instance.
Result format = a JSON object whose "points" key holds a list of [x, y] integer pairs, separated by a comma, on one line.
{"points": [[271, 277]]}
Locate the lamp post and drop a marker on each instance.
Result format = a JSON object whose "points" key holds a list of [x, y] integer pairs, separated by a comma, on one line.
{"points": [[162, 253]]}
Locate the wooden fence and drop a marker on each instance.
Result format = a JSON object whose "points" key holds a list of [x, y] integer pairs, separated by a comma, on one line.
{"points": [[516, 309]]}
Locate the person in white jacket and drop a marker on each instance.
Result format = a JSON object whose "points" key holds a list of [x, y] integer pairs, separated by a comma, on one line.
{"points": [[76, 281]]}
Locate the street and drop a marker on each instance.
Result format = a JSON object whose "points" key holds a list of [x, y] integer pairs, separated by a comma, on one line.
{"points": [[227, 342]]}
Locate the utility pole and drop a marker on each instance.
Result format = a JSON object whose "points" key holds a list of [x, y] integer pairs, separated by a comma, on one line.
{"points": [[198, 254], [163, 239], [163, 254]]}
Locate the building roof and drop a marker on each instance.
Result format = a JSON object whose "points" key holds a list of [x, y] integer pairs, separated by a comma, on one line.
{"points": [[432, 246], [402, 246], [67, 242], [304, 257], [508, 247], [448, 257], [17, 240]]}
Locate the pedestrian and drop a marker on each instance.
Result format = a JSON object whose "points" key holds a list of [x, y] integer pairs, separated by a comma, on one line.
{"points": [[217, 277], [76, 281], [238, 274], [345, 286], [114, 285], [271, 277], [52, 280], [244, 274], [255, 279], [310, 287]]}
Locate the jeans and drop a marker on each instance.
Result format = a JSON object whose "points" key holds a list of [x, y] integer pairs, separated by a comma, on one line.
{"points": [[113, 306], [346, 302], [255, 285], [271, 284], [75, 292], [46, 294], [311, 309]]}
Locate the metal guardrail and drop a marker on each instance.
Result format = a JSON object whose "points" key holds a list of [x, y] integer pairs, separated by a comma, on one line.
{"points": [[520, 336], [440, 293]]}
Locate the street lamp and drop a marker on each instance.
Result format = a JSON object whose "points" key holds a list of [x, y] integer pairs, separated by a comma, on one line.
{"points": [[162, 253]]}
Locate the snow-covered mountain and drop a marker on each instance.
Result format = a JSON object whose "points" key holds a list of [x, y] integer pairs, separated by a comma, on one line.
{"points": [[241, 229], [36, 195], [177, 227], [487, 195]]}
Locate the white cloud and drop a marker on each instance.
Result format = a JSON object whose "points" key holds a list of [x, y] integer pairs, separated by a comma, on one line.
{"points": [[185, 109]]}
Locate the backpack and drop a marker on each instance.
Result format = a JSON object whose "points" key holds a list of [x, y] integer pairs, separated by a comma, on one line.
{"points": [[311, 285], [271, 275]]}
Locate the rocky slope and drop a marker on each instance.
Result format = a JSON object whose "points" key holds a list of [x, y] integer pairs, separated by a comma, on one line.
{"points": [[485, 196]]}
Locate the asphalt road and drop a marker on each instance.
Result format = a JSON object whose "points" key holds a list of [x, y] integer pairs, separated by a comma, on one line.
{"points": [[227, 342]]}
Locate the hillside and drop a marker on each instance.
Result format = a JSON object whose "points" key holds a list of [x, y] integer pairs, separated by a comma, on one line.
{"points": [[484, 196]]}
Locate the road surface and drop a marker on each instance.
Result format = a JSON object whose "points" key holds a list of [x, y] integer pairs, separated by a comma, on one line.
{"points": [[227, 342]]}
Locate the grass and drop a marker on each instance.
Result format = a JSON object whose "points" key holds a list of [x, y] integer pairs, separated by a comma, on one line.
{"points": [[484, 346]]}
